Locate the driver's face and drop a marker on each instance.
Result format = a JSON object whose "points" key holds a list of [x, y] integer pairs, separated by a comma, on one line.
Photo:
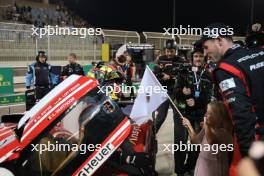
{"points": [[170, 53], [71, 60], [211, 47]]}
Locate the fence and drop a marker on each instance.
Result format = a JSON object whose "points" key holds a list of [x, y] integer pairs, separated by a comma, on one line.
{"points": [[157, 39], [18, 47], [114, 37], [184, 42]]}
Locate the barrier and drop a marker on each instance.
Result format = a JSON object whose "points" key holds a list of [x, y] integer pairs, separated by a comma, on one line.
{"points": [[12, 99], [18, 47], [6, 81]]}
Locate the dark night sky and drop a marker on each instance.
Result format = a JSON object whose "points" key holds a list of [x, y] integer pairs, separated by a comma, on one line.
{"points": [[146, 15]]}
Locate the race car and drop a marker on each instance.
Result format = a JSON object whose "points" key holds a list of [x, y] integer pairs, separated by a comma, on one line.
{"points": [[76, 130]]}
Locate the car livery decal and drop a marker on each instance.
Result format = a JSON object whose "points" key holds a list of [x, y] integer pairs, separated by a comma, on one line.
{"points": [[110, 144], [54, 108]]}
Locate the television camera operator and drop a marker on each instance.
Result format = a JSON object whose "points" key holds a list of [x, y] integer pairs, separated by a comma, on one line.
{"points": [[193, 91], [165, 73]]}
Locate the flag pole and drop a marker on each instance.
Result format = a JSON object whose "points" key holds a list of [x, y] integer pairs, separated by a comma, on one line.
{"points": [[171, 101]]}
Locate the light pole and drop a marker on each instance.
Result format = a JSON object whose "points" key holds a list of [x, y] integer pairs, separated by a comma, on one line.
{"points": [[174, 13], [252, 12]]}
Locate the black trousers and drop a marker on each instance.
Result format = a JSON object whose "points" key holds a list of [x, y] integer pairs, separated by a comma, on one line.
{"points": [[41, 92], [184, 160]]}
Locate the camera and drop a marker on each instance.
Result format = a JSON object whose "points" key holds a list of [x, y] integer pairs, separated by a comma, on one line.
{"points": [[172, 68], [182, 68]]}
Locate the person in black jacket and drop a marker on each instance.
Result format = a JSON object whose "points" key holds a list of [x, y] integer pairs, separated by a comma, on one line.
{"points": [[165, 73], [72, 68], [193, 93], [201, 86], [240, 78]]}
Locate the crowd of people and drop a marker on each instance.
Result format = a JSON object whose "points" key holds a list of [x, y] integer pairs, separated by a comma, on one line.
{"points": [[41, 77], [219, 92], [40, 17]]}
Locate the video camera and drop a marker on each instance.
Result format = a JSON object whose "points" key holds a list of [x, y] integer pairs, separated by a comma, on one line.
{"points": [[173, 68], [182, 68]]}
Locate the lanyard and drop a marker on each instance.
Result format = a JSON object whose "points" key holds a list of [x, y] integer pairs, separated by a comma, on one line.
{"points": [[197, 81]]}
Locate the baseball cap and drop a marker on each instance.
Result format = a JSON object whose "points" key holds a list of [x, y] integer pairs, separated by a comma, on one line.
{"points": [[170, 44], [42, 54], [215, 30]]}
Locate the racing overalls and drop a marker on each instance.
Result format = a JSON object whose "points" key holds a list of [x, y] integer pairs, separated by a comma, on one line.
{"points": [[240, 78], [72, 69]]}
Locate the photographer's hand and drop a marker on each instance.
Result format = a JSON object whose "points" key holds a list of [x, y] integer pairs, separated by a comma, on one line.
{"points": [[165, 77]]}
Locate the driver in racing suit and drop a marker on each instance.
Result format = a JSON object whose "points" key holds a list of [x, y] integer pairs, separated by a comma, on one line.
{"points": [[240, 78]]}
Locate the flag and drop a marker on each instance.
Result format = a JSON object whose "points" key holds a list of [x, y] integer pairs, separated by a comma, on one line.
{"points": [[149, 97]]}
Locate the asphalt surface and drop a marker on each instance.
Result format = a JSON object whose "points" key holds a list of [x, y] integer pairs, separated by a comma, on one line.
{"points": [[165, 160]]}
